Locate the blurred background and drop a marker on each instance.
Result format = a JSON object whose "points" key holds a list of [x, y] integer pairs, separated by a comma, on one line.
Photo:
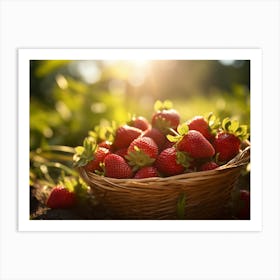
{"points": [[69, 98]]}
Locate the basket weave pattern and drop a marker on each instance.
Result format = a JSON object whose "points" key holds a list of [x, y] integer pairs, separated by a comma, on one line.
{"points": [[207, 192]]}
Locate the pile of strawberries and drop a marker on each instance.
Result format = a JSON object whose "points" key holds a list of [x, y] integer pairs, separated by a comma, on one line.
{"points": [[163, 147]]}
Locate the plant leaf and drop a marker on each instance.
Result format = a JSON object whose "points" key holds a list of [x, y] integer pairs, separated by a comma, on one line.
{"points": [[167, 104], [79, 149], [173, 138], [183, 129], [234, 126], [181, 204], [183, 158], [158, 105], [226, 124]]}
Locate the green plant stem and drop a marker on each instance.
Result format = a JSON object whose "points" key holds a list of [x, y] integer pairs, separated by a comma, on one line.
{"points": [[65, 149], [61, 166], [173, 131], [50, 156]]}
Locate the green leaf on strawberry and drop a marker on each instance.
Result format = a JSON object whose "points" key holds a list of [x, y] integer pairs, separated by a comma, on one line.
{"points": [[233, 127], [142, 152], [183, 158], [165, 105], [103, 132], [213, 122], [84, 154], [182, 129], [138, 159], [165, 117], [173, 138]]}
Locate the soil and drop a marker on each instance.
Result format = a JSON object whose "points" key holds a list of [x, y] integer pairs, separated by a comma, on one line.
{"points": [[39, 211]]}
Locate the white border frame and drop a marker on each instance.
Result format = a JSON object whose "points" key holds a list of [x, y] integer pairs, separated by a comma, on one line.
{"points": [[25, 55]]}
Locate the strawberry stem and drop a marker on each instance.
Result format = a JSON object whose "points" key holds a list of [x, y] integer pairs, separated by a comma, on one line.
{"points": [[174, 132]]}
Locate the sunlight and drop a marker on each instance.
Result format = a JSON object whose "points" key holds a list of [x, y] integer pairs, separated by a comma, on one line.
{"points": [[139, 64], [89, 71], [133, 71], [139, 71]]}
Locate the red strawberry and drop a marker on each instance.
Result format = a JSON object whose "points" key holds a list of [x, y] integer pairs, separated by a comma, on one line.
{"points": [[206, 126], [244, 205], [226, 146], [209, 166], [105, 144], [116, 167], [168, 163], [200, 124], [90, 155], [227, 142], [139, 122], [98, 157], [146, 172], [125, 135], [196, 145], [142, 152], [165, 117], [60, 197], [167, 144], [121, 152], [156, 135]]}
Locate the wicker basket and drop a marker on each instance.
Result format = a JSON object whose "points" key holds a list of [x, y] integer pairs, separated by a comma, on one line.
{"points": [[206, 193]]}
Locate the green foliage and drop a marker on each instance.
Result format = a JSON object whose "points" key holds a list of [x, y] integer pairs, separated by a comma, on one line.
{"points": [[75, 185], [232, 126], [183, 129], [84, 154], [181, 204], [235, 104], [165, 105], [47, 67], [104, 132], [72, 113], [138, 159], [183, 158], [213, 122]]}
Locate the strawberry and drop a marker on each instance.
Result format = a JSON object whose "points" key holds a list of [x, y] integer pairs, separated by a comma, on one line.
{"points": [[168, 162], [156, 135], [90, 155], [60, 197], [209, 166], [167, 144], [226, 146], [207, 127], [192, 142], [116, 167], [139, 122], [142, 152], [105, 144], [98, 158], [227, 142], [121, 152], [165, 117], [125, 135], [146, 172], [244, 205], [196, 145]]}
